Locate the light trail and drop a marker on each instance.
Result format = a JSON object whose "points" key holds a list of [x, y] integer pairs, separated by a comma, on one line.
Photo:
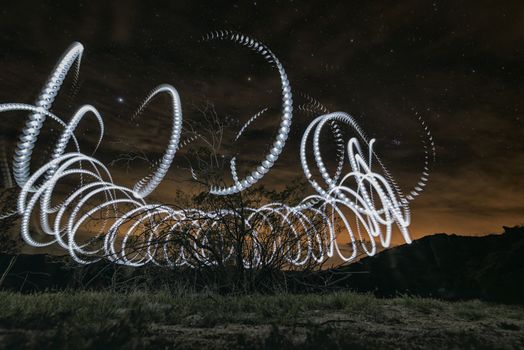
{"points": [[132, 231]]}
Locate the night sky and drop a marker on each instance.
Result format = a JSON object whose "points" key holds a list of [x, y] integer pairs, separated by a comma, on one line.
{"points": [[458, 64]]}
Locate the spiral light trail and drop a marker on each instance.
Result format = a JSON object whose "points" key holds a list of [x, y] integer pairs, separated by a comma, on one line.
{"points": [[366, 202], [35, 121], [287, 113]]}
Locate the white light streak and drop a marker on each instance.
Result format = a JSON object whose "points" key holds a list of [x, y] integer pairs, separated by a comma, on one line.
{"points": [[365, 200]]}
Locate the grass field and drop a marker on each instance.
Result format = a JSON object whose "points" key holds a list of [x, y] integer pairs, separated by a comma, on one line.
{"points": [[98, 320]]}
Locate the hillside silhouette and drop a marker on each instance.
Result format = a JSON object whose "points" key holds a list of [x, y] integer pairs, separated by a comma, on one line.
{"points": [[449, 267]]}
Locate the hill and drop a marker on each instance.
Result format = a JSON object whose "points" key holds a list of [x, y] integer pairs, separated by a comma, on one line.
{"points": [[448, 267]]}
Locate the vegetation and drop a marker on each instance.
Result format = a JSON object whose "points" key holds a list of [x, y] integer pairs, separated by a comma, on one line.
{"points": [[224, 303], [230, 247], [8, 220], [88, 320]]}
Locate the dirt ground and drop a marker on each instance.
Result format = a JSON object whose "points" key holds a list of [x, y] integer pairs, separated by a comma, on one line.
{"points": [[400, 329]]}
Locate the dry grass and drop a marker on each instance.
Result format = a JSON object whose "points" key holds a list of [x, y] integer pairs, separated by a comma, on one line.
{"points": [[93, 320]]}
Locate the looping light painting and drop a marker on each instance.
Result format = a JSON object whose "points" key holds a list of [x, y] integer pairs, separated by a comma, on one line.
{"points": [[360, 202]]}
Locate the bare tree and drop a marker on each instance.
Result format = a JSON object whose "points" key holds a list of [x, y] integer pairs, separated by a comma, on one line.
{"points": [[8, 214], [227, 242]]}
